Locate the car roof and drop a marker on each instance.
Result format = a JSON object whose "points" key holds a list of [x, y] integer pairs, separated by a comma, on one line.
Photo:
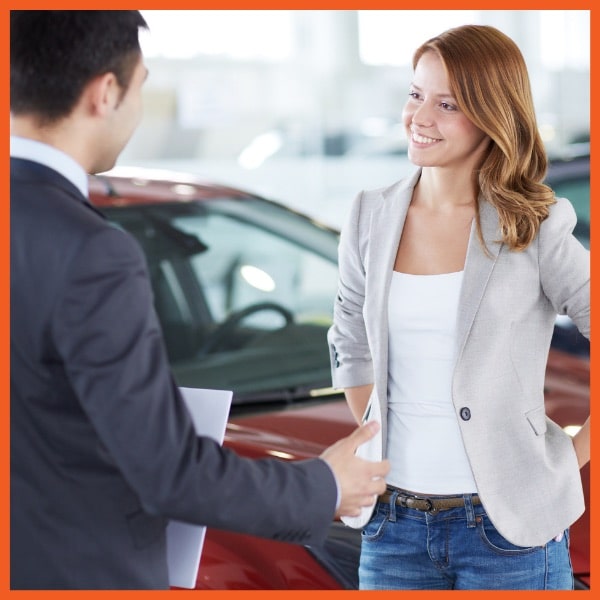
{"points": [[564, 169], [131, 185]]}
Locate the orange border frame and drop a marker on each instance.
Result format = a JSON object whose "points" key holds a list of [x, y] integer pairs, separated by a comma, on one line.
{"points": [[5, 282]]}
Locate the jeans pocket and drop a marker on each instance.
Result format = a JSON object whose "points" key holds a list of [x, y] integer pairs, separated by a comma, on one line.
{"points": [[498, 543], [375, 527]]}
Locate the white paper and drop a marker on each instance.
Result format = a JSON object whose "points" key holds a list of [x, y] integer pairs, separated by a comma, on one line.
{"points": [[209, 410], [370, 450]]}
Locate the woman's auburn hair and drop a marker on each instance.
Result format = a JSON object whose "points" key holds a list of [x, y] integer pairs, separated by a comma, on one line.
{"points": [[488, 77]]}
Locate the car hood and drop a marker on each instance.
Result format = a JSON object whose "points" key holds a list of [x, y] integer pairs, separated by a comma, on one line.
{"points": [[291, 433]]}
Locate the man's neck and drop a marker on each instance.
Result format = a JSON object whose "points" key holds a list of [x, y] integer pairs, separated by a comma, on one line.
{"points": [[59, 135]]}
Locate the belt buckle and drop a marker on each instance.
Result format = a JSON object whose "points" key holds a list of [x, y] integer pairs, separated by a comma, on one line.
{"points": [[430, 507]]}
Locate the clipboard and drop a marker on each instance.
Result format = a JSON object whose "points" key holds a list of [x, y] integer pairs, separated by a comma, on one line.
{"points": [[209, 410]]}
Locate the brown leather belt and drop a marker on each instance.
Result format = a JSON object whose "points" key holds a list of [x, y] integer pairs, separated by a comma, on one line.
{"points": [[430, 504]]}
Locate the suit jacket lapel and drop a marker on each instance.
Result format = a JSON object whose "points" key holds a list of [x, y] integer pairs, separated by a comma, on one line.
{"points": [[385, 229], [478, 268]]}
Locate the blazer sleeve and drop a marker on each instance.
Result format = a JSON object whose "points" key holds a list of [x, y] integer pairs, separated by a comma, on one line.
{"points": [[351, 361], [110, 340], [565, 266]]}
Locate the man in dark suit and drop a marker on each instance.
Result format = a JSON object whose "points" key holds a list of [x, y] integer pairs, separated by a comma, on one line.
{"points": [[103, 450]]}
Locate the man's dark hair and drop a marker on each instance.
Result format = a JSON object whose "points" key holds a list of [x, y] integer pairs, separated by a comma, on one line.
{"points": [[54, 54]]}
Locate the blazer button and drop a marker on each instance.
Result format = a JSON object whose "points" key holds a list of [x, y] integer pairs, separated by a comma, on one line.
{"points": [[465, 413]]}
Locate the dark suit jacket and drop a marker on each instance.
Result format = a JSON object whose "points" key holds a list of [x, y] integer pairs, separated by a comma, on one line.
{"points": [[103, 450]]}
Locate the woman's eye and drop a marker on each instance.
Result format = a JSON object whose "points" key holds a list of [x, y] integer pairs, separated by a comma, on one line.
{"points": [[413, 95], [447, 106]]}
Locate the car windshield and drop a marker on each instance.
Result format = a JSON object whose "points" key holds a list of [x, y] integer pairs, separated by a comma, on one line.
{"points": [[244, 291]]}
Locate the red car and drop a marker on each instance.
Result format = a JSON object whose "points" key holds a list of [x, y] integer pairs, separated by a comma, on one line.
{"points": [[244, 289]]}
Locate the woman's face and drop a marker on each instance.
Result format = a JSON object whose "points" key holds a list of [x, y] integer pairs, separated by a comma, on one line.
{"points": [[439, 134]]}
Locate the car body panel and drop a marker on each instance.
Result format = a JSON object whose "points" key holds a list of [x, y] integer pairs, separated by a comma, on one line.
{"points": [[242, 562]]}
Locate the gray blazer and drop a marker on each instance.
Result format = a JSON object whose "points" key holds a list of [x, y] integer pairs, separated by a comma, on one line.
{"points": [[523, 463]]}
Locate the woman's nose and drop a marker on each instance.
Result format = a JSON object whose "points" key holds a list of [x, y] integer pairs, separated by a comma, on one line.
{"points": [[422, 114]]}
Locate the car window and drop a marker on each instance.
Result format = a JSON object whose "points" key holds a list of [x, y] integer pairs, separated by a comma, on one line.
{"points": [[244, 292], [248, 264], [577, 191], [571, 179]]}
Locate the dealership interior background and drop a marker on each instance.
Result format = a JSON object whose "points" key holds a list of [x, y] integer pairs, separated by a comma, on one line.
{"points": [[304, 107]]}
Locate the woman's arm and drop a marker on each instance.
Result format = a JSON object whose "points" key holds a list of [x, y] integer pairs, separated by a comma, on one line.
{"points": [[350, 354], [358, 398], [565, 278]]}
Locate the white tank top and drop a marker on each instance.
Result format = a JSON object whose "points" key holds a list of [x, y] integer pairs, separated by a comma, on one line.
{"points": [[425, 446]]}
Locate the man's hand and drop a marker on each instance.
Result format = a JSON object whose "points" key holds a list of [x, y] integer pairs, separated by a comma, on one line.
{"points": [[360, 481]]}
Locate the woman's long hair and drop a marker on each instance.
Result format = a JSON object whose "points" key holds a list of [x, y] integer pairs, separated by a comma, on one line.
{"points": [[488, 77]]}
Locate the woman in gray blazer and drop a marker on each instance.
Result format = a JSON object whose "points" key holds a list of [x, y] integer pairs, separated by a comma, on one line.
{"points": [[450, 282]]}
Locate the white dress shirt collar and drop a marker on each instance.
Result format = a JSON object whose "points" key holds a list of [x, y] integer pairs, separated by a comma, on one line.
{"points": [[52, 158]]}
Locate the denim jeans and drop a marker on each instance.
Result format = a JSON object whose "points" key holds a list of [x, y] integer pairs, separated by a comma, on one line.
{"points": [[454, 549]]}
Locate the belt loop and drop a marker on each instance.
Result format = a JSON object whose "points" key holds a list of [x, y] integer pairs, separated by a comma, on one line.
{"points": [[470, 512], [393, 497]]}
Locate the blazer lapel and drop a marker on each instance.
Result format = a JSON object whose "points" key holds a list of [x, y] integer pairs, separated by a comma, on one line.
{"points": [[385, 229], [478, 268]]}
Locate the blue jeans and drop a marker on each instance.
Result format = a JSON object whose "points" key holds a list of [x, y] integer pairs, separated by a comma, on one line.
{"points": [[454, 549]]}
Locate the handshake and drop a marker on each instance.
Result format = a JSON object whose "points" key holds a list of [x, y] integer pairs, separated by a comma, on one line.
{"points": [[360, 481]]}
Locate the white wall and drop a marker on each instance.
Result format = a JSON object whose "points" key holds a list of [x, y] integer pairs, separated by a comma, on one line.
{"points": [[202, 112]]}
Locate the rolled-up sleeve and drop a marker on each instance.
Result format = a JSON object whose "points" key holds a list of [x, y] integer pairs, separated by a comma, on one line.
{"points": [[351, 362]]}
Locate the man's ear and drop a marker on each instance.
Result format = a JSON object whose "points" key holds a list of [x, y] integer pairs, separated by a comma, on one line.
{"points": [[102, 94]]}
